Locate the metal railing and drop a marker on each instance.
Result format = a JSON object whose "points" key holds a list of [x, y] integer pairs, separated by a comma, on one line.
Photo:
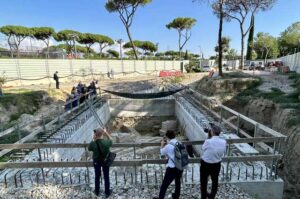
{"points": [[135, 162]]}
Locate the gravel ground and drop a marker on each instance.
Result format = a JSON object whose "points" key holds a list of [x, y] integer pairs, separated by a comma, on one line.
{"points": [[226, 191]]}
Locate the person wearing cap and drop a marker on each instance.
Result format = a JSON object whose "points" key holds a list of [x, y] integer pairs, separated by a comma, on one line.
{"points": [[213, 150], [100, 146]]}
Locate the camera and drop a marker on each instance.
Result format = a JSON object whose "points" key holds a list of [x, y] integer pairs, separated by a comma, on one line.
{"points": [[208, 129]]}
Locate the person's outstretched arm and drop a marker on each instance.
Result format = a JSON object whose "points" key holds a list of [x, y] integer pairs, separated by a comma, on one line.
{"points": [[107, 134]]}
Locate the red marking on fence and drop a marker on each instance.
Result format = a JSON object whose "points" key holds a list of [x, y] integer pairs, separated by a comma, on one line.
{"points": [[166, 73]]}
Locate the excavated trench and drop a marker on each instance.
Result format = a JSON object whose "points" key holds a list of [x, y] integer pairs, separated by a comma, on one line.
{"points": [[130, 121]]}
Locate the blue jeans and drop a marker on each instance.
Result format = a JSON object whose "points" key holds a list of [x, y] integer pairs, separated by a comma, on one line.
{"points": [[98, 165]]}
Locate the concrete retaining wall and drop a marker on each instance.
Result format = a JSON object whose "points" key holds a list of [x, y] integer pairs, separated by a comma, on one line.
{"points": [[83, 134], [135, 108], [262, 189], [192, 130]]}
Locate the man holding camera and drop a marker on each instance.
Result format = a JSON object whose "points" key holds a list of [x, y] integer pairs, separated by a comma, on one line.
{"points": [[167, 149], [213, 150]]}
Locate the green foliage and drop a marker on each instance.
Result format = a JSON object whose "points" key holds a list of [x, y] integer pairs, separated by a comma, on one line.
{"points": [[182, 23], [146, 46], [265, 46], [131, 54], [13, 137], [103, 40], [86, 39], [289, 39], [113, 53], [225, 41], [115, 5], [126, 10], [136, 43], [17, 31], [290, 101], [43, 33], [190, 67], [66, 35], [27, 102], [232, 54]]}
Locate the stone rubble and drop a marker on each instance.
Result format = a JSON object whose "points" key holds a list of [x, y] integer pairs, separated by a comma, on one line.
{"points": [[226, 191]]}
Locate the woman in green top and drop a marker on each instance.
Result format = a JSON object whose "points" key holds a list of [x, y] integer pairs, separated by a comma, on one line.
{"points": [[101, 147]]}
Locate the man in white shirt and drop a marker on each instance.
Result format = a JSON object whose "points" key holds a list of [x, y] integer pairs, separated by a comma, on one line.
{"points": [[167, 149], [213, 151]]}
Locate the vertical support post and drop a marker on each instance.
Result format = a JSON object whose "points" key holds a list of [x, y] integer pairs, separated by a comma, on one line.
{"points": [[19, 133], [256, 131], [40, 159], [221, 114], [134, 65], [273, 165], [86, 159], [122, 65], [44, 125], [135, 169], [238, 124], [227, 165]]}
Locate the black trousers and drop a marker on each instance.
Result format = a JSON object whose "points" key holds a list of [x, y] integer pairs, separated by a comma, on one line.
{"points": [[170, 175], [98, 166], [213, 171], [57, 84]]}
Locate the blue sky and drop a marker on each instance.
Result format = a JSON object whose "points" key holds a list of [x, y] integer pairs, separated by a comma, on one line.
{"points": [[149, 22]]}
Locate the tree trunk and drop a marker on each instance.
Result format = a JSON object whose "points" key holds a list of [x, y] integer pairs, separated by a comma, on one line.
{"points": [[242, 52], [267, 53], [132, 44], [10, 47], [242, 46], [179, 45], [47, 43], [220, 40], [18, 53], [249, 55]]}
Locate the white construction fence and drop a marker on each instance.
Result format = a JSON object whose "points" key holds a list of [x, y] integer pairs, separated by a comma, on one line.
{"points": [[292, 61], [37, 71]]}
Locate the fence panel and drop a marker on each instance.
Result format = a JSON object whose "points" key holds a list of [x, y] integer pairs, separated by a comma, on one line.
{"points": [[39, 70], [292, 61]]}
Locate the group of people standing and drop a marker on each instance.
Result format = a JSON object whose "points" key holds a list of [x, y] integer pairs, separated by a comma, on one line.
{"points": [[213, 150], [80, 93]]}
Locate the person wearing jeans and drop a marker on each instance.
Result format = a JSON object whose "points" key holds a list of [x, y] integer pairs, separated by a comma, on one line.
{"points": [[172, 173], [100, 146], [213, 150]]}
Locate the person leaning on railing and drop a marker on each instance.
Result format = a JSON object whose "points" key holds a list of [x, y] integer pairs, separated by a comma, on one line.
{"points": [[100, 146]]}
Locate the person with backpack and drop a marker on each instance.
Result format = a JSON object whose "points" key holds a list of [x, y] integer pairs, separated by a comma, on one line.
{"points": [[100, 146], [56, 79], [213, 150], [177, 161]]}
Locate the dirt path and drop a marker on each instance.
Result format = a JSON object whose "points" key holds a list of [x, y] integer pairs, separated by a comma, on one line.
{"points": [[276, 81]]}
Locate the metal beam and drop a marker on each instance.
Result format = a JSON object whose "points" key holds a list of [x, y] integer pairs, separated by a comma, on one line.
{"points": [[143, 144], [129, 163]]}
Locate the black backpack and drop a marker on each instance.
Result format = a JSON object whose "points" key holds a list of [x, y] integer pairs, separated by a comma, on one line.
{"points": [[181, 158]]}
